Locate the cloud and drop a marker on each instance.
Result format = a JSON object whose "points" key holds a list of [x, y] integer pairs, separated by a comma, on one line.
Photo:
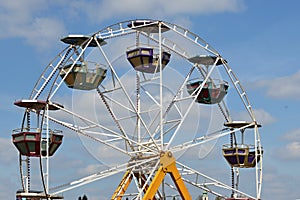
{"points": [[293, 135], [90, 169], [277, 186], [41, 23], [160, 8], [282, 87], [42, 32], [290, 152], [22, 19], [262, 116]]}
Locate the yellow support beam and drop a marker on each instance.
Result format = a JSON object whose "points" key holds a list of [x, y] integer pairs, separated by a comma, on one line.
{"points": [[122, 187], [143, 181], [167, 165], [175, 175], [152, 189]]}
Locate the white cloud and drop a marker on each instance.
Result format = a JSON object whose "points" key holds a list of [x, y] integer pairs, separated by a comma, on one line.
{"points": [[23, 19], [159, 8], [277, 186], [290, 151], [41, 23], [90, 169], [261, 116], [293, 135], [42, 32], [286, 87]]}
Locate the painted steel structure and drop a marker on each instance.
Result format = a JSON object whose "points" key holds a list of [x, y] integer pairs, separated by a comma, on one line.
{"points": [[144, 112]]}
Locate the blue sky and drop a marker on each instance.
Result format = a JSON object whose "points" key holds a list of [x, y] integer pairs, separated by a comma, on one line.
{"points": [[259, 39]]}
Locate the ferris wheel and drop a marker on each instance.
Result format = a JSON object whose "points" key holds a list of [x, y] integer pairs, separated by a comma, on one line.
{"points": [[146, 93]]}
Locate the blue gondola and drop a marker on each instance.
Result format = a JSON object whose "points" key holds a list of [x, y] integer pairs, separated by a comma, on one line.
{"points": [[242, 156]]}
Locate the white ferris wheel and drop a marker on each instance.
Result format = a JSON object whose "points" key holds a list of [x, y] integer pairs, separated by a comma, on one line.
{"points": [[149, 94]]}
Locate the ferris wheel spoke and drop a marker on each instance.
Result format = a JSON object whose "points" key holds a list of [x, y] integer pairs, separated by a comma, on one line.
{"points": [[127, 95], [203, 186], [108, 141], [190, 106], [172, 104], [117, 120], [48, 73], [93, 125], [115, 101], [102, 174], [153, 123], [109, 136], [90, 123], [114, 118], [79, 56], [77, 130], [187, 174], [222, 105], [208, 137], [148, 179]]}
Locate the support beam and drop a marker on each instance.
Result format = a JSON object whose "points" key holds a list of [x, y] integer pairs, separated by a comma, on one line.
{"points": [[158, 178], [122, 187], [175, 175], [143, 182], [168, 165]]}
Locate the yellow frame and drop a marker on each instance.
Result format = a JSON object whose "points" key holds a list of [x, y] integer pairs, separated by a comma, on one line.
{"points": [[167, 166]]}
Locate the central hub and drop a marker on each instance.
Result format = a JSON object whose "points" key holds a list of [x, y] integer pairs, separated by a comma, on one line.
{"points": [[166, 158]]}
